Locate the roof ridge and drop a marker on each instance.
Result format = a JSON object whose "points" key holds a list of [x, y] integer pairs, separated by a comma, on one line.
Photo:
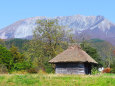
{"points": [[73, 53]]}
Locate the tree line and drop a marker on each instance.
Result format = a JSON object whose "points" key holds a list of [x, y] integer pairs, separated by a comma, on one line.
{"points": [[49, 39]]}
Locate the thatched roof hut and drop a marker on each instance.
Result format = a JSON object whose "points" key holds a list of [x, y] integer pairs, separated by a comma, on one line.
{"points": [[77, 58]]}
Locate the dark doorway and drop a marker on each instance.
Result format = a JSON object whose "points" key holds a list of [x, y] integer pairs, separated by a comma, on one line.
{"points": [[87, 68]]}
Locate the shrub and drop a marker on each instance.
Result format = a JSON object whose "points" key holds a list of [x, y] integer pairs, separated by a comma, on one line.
{"points": [[3, 69], [32, 70], [48, 67], [113, 70], [94, 71], [22, 66], [113, 67], [106, 70]]}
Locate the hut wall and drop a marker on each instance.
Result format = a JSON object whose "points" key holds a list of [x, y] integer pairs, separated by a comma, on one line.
{"points": [[70, 68]]}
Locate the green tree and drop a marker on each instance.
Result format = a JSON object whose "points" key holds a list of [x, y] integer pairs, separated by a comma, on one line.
{"points": [[19, 60], [17, 56], [48, 40], [91, 51], [6, 57]]}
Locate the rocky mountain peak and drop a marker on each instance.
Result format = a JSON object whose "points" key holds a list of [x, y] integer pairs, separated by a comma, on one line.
{"points": [[91, 24]]}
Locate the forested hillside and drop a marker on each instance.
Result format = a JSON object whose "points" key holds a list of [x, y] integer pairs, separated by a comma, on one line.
{"points": [[104, 48], [49, 40], [20, 43]]}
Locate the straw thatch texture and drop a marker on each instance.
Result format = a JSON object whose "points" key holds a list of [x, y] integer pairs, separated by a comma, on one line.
{"points": [[73, 54]]}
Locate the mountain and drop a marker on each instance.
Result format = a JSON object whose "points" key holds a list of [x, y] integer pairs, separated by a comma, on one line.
{"points": [[93, 26]]}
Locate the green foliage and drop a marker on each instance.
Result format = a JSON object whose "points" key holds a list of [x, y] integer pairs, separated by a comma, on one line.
{"points": [[91, 51], [50, 35], [22, 66], [113, 70], [19, 61], [94, 71], [48, 67], [105, 51], [3, 69], [6, 57], [17, 56], [19, 43], [48, 41], [113, 67]]}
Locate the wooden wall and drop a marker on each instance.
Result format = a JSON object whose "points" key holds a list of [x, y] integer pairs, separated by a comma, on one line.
{"points": [[70, 68]]}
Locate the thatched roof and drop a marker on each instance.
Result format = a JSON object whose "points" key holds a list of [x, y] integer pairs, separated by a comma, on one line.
{"points": [[73, 54]]}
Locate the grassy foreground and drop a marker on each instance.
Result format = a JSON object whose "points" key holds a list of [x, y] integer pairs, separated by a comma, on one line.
{"points": [[56, 80]]}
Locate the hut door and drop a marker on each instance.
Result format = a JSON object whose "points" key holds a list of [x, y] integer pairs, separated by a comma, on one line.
{"points": [[87, 68]]}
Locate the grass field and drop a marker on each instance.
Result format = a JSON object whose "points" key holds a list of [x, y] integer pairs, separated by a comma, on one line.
{"points": [[57, 80]]}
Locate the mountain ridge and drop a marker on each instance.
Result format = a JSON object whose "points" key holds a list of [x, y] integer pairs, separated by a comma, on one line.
{"points": [[95, 26]]}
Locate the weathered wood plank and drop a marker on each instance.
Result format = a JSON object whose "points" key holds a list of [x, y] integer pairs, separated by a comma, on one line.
{"points": [[70, 68]]}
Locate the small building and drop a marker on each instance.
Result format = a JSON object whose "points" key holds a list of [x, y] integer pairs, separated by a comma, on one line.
{"points": [[73, 61]]}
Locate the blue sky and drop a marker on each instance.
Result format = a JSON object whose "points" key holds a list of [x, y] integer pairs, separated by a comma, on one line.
{"points": [[14, 10]]}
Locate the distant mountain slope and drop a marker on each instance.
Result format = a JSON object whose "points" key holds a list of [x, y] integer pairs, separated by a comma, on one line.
{"points": [[103, 47], [94, 26]]}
